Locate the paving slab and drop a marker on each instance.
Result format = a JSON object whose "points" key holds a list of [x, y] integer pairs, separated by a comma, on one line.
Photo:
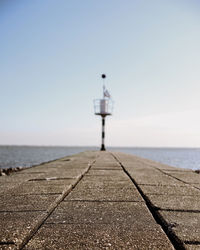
{"points": [[16, 225], [151, 176], [111, 165], [12, 179], [107, 178], [187, 202], [106, 156], [161, 166], [61, 174], [58, 173], [186, 225], [107, 172], [5, 187], [98, 236], [42, 187], [177, 190], [84, 212], [93, 189], [188, 177], [139, 162], [192, 246], [26, 202]]}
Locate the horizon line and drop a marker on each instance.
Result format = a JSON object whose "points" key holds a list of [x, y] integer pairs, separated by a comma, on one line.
{"points": [[94, 146]]}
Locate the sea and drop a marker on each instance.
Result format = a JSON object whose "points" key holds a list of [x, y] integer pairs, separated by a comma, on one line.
{"points": [[26, 156]]}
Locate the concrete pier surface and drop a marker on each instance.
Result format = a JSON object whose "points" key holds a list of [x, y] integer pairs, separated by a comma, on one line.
{"points": [[100, 200]]}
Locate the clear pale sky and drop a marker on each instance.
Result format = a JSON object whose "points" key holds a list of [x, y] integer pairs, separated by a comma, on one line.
{"points": [[52, 54]]}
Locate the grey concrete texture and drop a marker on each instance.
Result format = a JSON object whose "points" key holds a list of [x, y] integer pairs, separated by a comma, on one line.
{"points": [[107, 166], [192, 246], [28, 196], [117, 173], [187, 177], [106, 178], [98, 236], [100, 200], [104, 212], [57, 169], [5, 186], [140, 162], [175, 202], [176, 190], [14, 226], [173, 194], [25, 202], [151, 176], [109, 190], [197, 186], [41, 187], [79, 161], [185, 224]]}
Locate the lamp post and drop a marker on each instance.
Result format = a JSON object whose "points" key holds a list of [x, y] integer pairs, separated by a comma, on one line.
{"points": [[103, 107]]}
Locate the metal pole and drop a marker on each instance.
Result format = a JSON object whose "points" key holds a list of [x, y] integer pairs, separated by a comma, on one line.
{"points": [[103, 134]]}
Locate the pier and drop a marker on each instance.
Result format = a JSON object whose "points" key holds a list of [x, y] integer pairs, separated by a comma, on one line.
{"points": [[100, 200]]}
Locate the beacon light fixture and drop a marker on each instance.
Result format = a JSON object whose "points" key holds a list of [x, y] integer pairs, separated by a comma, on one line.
{"points": [[103, 107]]}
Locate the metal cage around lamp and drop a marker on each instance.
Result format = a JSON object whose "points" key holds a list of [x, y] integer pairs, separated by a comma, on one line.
{"points": [[103, 107]]}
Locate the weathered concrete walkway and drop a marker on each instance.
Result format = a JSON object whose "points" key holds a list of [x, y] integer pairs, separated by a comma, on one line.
{"points": [[100, 200]]}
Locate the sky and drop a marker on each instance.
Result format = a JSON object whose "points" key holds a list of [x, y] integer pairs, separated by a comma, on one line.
{"points": [[52, 55]]}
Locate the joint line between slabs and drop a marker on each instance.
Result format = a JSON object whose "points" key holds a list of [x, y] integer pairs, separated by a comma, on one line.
{"points": [[191, 242], [114, 201], [7, 243], [52, 207], [177, 210], [176, 178], [176, 242]]}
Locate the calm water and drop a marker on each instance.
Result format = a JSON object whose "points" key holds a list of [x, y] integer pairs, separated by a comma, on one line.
{"points": [[177, 157], [25, 156]]}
